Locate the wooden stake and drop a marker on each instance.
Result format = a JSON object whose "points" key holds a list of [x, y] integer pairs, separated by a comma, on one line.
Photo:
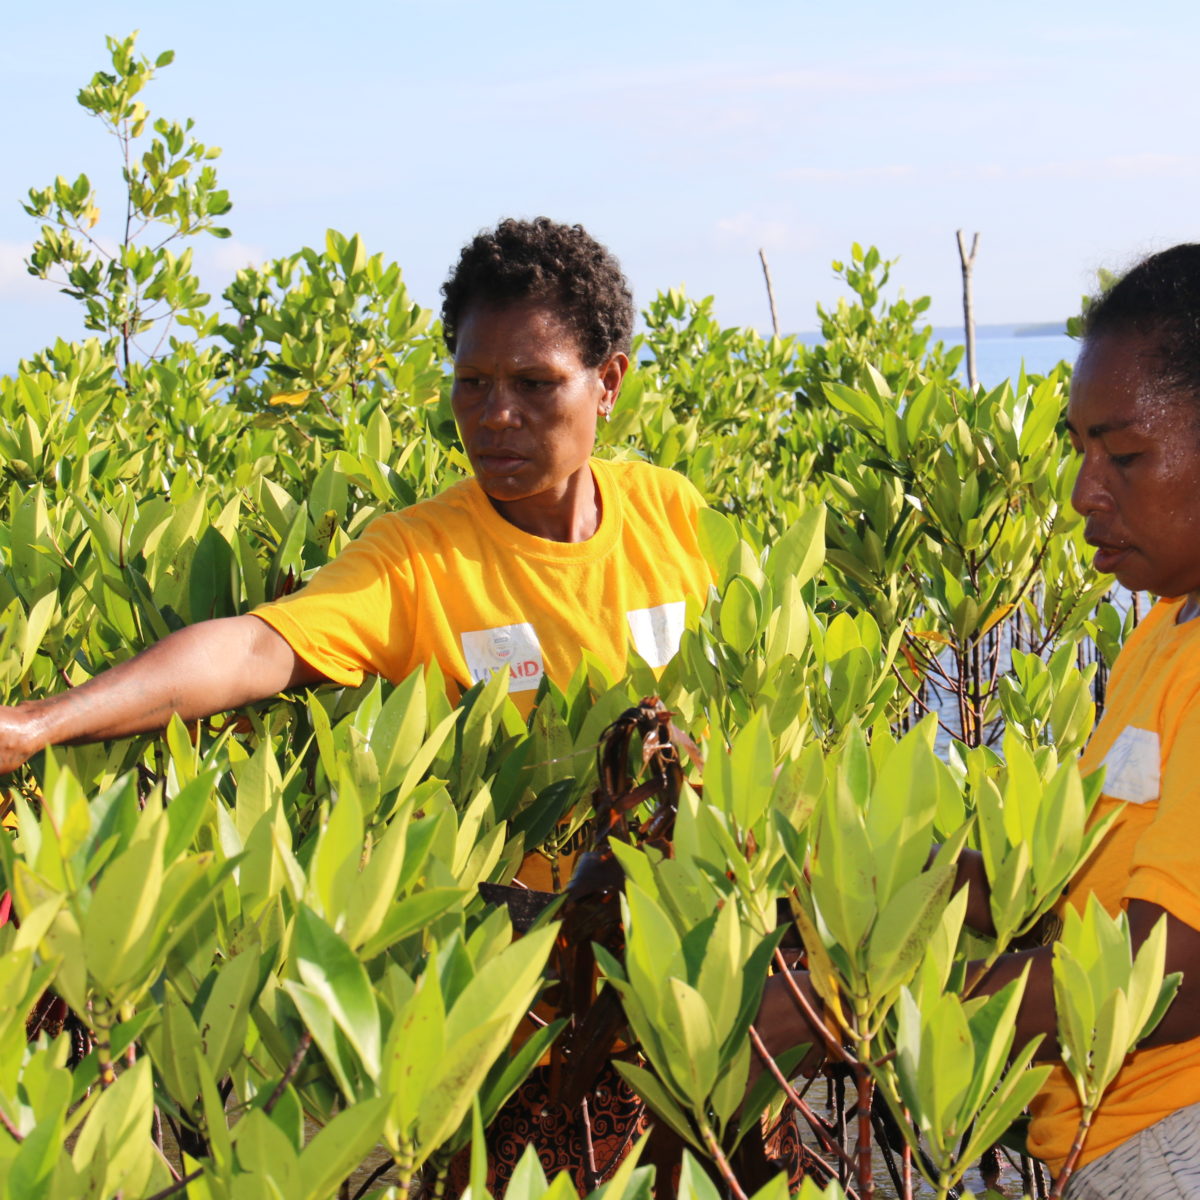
{"points": [[762, 254], [968, 265]]}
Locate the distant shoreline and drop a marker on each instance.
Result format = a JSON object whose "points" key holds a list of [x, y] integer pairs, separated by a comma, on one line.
{"points": [[1039, 329], [954, 333]]}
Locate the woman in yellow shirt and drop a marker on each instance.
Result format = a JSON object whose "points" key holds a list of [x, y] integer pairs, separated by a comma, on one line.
{"points": [[1134, 418], [545, 552]]}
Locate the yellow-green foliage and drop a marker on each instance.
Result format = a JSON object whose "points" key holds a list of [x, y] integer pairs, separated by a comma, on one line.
{"points": [[273, 919]]}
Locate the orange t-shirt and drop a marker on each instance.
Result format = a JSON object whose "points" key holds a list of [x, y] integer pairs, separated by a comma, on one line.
{"points": [[1149, 744], [450, 581]]}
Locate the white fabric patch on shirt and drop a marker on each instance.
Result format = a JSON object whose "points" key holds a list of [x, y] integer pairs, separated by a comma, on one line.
{"points": [[656, 631], [1131, 766], [513, 646]]}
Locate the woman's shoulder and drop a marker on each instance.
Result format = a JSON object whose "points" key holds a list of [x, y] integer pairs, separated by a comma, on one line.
{"points": [[1161, 657], [433, 516], [638, 478], [1160, 628]]}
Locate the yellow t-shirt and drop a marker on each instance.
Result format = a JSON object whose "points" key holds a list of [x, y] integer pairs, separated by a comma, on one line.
{"points": [[1149, 743], [449, 580]]}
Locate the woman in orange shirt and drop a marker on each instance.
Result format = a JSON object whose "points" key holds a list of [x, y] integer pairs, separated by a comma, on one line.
{"points": [[544, 552], [1134, 418]]}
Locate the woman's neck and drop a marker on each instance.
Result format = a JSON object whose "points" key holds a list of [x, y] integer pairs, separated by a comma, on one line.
{"points": [[571, 513], [1189, 609]]}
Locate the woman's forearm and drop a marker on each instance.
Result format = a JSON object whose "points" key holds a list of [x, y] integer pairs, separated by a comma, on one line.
{"points": [[1037, 1014], [204, 669], [973, 877]]}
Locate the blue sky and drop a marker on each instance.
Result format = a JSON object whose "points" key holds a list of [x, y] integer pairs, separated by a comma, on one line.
{"points": [[686, 136]]}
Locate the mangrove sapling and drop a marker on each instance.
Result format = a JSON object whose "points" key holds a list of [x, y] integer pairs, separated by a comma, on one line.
{"points": [[171, 193], [1108, 999]]}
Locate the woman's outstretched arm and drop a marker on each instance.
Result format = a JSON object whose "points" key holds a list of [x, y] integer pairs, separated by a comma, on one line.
{"points": [[206, 668]]}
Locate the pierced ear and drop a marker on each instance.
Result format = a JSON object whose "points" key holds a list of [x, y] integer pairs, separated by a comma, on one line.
{"points": [[612, 373]]}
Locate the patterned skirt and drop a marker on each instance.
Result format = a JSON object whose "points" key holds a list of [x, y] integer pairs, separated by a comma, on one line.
{"points": [[590, 1146]]}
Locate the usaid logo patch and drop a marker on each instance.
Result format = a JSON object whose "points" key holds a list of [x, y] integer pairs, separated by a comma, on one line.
{"points": [[1131, 766], [513, 646], [656, 631]]}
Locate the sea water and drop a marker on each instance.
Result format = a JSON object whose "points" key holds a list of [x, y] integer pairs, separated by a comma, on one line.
{"points": [[1001, 350]]}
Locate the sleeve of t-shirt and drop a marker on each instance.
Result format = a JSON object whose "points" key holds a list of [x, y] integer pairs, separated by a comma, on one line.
{"points": [[353, 617], [681, 503], [1166, 860]]}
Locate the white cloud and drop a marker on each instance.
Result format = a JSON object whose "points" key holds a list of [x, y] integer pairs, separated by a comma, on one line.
{"points": [[887, 77], [1093, 32], [766, 232], [714, 80], [15, 281], [1110, 168], [849, 174], [1144, 166], [230, 256]]}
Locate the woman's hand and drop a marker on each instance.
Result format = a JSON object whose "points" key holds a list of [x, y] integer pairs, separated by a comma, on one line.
{"points": [[19, 735]]}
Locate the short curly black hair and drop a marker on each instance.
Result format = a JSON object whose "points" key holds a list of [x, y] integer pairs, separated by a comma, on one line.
{"points": [[1160, 299], [541, 260]]}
